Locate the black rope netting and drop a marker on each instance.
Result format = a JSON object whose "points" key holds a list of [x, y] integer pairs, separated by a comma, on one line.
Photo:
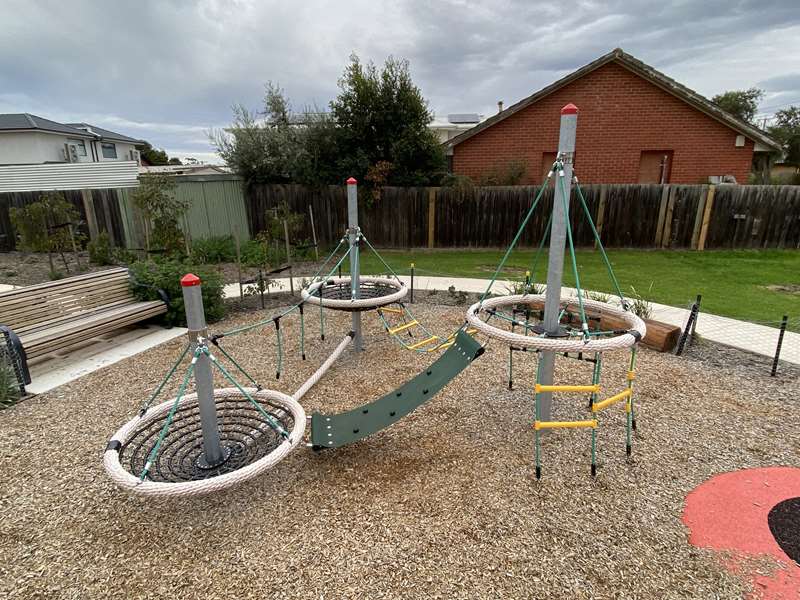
{"points": [[341, 290], [245, 436]]}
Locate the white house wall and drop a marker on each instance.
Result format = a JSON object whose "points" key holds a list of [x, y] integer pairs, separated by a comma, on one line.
{"points": [[35, 147]]}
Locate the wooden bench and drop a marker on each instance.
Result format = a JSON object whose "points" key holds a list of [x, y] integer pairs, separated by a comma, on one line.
{"points": [[55, 316]]}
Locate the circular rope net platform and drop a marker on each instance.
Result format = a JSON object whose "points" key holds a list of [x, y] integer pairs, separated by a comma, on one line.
{"points": [[336, 294], [250, 444], [625, 327]]}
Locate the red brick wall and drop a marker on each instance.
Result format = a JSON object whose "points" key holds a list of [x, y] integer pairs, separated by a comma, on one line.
{"points": [[621, 114]]}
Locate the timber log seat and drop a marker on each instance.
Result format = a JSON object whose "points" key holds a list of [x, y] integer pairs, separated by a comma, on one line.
{"points": [[55, 316]]}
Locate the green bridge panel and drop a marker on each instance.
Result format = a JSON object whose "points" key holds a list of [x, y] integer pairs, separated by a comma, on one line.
{"points": [[333, 431]]}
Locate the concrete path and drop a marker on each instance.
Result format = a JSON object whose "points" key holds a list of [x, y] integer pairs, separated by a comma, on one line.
{"points": [[738, 334], [760, 339]]}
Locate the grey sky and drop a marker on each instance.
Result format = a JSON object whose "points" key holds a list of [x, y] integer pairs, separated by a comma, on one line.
{"points": [[167, 71]]}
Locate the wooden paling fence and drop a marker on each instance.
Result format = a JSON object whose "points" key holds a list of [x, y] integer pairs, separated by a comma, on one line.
{"points": [[627, 215]]}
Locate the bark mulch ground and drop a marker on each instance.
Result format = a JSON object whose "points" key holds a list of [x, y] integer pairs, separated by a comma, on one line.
{"points": [[441, 505]]}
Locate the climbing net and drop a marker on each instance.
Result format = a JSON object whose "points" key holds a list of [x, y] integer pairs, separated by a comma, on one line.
{"points": [[160, 451], [584, 327]]}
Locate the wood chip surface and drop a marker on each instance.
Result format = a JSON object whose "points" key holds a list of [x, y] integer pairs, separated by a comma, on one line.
{"points": [[443, 504]]}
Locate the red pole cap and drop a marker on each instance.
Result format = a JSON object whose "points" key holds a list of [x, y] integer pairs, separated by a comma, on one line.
{"points": [[569, 109], [189, 280], [352, 181]]}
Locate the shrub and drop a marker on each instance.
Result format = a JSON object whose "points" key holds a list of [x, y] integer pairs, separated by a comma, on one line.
{"points": [[100, 251], [162, 209], [214, 250], [167, 275], [639, 306]]}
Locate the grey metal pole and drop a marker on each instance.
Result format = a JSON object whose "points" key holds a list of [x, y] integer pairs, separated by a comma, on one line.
{"points": [[352, 229], [213, 453], [558, 237]]}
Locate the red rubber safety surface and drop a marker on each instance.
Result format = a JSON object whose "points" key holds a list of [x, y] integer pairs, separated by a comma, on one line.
{"points": [[730, 512]]}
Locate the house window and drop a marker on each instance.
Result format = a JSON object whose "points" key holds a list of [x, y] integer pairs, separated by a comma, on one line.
{"points": [[655, 166], [109, 150], [80, 146]]}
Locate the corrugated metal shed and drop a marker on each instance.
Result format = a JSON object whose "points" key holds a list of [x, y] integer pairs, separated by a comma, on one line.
{"points": [[216, 208], [69, 176]]}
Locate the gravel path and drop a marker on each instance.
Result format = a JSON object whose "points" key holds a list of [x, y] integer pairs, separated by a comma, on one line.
{"points": [[442, 505]]}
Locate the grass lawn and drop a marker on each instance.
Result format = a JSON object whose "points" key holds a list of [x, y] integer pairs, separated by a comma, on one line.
{"points": [[734, 283]]}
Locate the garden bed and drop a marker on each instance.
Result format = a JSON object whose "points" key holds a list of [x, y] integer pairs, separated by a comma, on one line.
{"points": [[442, 504]]}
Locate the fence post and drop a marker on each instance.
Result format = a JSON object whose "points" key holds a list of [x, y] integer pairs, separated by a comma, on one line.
{"points": [[778, 346], [313, 233], [601, 214], [696, 317], [698, 217], [432, 216], [91, 217], [666, 242], [662, 211], [689, 328], [701, 242], [412, 284]]}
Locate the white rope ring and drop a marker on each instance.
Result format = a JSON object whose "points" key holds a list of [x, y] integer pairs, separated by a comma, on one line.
{"points": [[372, 295], [636, 328], [130, 481]]}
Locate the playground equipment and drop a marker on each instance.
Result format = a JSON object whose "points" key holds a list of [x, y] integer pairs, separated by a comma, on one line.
{"points": [[547, 321], [213, 438]]}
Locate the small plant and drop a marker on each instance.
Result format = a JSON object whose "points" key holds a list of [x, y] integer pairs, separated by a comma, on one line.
{"points": [[123, 256], [55, 275], [162, 209], [517, 288], [638, 305], [214, 250], [596, 296], [46, 226], [100, 251], [166, 275]]}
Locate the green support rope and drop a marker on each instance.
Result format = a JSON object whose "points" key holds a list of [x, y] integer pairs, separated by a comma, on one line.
{"points": [[592, 400], [163, 433], [279, 348], [541, 247], [302, 334], [517, 236], [536, 413], [270, 420], [237, 365], [146, 405], [599, 243], [584, 324], [631, 416]]}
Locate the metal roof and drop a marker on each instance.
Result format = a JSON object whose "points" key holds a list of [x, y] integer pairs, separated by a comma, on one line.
{"points": [[648, 73], [105, 134], [69, 176], [28, 122]]}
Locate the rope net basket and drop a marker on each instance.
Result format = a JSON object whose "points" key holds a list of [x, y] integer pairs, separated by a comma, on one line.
{"points": [[615, 328], [250, 443], [373, 292]]}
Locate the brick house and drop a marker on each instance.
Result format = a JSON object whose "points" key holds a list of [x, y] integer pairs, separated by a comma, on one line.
{"points": [[635, 125]]}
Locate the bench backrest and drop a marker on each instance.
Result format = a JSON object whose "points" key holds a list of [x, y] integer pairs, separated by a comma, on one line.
{"points": [[55, 301]]}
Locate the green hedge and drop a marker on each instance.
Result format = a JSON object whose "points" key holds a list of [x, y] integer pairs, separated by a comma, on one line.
{"points": [[167, 276]]}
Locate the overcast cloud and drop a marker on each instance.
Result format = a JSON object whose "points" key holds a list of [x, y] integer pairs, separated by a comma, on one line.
{"points": [[168, 71]]}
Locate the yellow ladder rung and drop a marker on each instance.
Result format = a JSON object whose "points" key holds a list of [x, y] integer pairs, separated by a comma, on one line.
{"points": [[566, 388], [433, 338], [565, 424], [400, 328], [443, 346], [471, 331], [597, 406], [631, 375], [389, 309]]}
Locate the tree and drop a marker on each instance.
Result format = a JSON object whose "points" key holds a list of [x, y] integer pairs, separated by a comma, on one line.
{"points": [[267, 150], [46, 226], [382, 120], [162, 209], [787, 131], [742, 104]]}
